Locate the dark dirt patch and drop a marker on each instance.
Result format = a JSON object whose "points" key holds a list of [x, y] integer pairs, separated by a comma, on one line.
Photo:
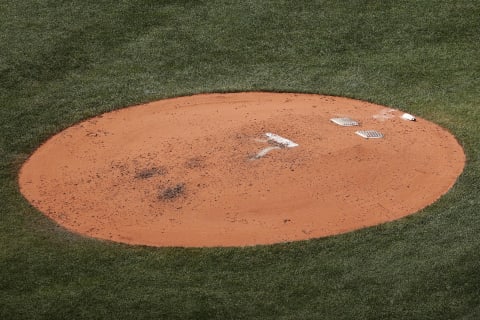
{"points": [[150, 172], [171, 193], [193, 163]]}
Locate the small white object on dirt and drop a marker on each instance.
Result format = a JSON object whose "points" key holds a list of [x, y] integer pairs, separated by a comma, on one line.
{"points": [[408, 116], [369, 134], [281, 140], [344, 122]]}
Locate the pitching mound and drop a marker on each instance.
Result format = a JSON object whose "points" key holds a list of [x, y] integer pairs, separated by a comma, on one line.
{"points": [[240, 169]]}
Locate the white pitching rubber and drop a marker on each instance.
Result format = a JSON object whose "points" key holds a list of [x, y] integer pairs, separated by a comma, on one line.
{"points": [[281, 140]]}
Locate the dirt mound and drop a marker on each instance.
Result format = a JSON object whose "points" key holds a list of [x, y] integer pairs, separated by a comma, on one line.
{"points": [[239, 169]]}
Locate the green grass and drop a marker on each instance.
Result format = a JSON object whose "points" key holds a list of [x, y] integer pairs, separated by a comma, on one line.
{"points": [[64, 61]]}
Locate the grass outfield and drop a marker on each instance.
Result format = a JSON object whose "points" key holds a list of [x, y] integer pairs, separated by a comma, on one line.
{"points": [[64, 61]]}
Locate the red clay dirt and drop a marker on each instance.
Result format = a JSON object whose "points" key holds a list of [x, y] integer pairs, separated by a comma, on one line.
{"points": [[183, 171]]}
